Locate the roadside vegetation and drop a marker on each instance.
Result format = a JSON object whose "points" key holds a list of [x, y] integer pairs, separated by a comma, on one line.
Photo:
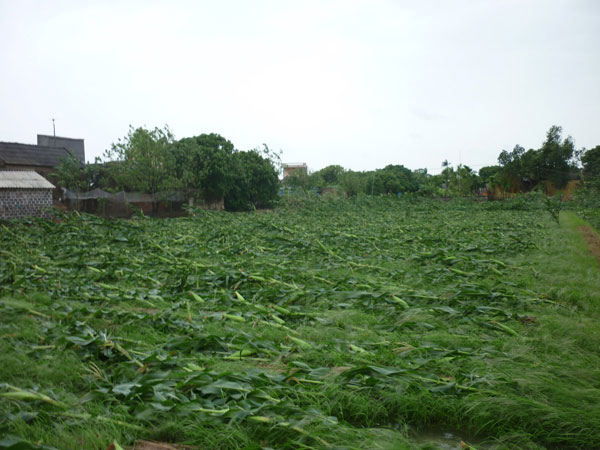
{"points": [[369, 322]]}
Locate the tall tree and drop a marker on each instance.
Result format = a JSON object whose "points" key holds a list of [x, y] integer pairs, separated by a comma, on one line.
{"points": [[331, 174], [144, 161], [591, 162], [511, 173], [394, 179], [204, 164], [522, 170], [555, 159], [354, 183], [488, 173], [256, 181]]}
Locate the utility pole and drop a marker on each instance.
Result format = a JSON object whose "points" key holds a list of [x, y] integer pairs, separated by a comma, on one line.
{"points": [[54, 131]]}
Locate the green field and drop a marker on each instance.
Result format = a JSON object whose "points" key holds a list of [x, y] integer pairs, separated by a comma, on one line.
{"points": [[365, 323]]}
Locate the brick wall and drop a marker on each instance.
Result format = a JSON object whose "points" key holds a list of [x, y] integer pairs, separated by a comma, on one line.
{"points": [[19, 203], [47, 172]]}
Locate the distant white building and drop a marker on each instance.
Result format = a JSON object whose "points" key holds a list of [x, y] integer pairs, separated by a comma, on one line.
{"points": [[24, 193]]}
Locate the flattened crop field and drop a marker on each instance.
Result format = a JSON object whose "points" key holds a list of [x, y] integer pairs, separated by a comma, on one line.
{"points": [[373, 323]]}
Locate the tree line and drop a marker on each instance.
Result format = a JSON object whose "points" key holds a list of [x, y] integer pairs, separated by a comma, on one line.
{"points": [[207, 168], [556, 162], [392, 179]]}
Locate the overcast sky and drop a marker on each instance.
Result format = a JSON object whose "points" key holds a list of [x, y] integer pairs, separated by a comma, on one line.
{"points": [[362, 84]]}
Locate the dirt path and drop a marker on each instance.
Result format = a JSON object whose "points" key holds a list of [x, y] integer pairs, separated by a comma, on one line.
{"points": [[592, 239]]}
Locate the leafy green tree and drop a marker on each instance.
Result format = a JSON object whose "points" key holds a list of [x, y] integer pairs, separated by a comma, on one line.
{"points": [[511, 173], [488, 173], [420, 176], [71, 174], [100, 174], [428, 185], [522, 170], [461, 181], [145, 161], [353, 183], [319, 180], [591, 162], [204, 165], [298, 180], [555, 157], [394, 179], [465, 181], [331, 174], [315, 181], [256, 181], [531, 169]]}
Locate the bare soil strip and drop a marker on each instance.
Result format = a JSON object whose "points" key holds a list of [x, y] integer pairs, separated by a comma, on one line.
{"points": [[592, 239]]}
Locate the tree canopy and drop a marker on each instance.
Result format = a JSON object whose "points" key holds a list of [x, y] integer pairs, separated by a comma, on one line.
{"points": [[208, 167], [145, 160], [204, 165], [591, 162], [553, 162], [256, 182]]}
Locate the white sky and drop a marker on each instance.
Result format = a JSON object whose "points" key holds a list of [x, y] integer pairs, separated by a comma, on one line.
{"points": [[362, 84]]}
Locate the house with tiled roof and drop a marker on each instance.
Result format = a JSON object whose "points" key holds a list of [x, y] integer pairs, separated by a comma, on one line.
{"points": [[43, 157], [24, 193]]}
